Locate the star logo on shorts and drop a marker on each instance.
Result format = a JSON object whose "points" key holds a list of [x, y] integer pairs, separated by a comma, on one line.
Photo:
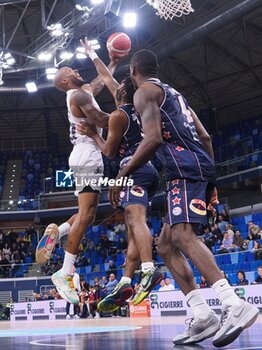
{"points": [[176, 201], [179, 148], [175, 182], [166, 135], [175, 191]]}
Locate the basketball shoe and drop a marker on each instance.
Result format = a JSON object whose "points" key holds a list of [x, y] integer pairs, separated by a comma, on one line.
{"points": [[198, 330], [149, 280], [234, 320], [47, 244], [121, 293], [65, 287]]}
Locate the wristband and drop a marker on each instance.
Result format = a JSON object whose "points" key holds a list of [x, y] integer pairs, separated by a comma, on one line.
{"points": [[93, 55]]}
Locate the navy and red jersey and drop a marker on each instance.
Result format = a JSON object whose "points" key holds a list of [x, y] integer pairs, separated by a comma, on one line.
{"points": [[182, 153], [133, 135]]}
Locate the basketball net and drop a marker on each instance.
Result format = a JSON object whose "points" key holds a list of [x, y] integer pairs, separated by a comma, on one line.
{"points": [[168, 9]]}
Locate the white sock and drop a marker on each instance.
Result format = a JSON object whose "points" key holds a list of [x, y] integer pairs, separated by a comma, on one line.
{"points": [[225, 293], [125, 279], [63, 229], [68, 264], [147, 266], [198, 305]]}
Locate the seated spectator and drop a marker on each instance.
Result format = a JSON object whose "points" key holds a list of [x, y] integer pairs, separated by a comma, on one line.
{"points": [[222, 223], [7, 251], [257, 250], [258, 280], [209, 238], [237, 241], [81, 260], [225, 215], [111, 284], [162, 286], [217, 233], [226, 244], [229, 231], [253, 231], [104, 283], [203, 283], [98, 296], [242, 281], [169, 284], [111, 268], [122, 244]]}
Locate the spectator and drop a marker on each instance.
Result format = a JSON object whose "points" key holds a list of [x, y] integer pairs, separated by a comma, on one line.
{"points": [[257, 250], [98, 296], [7, 251], [242, 281], [111, 284], [169, 284], [253, 231], [203, 283], [208, 238], [225, 215], [162, 286], [122, 244], [229, 231], [222, 223], [258, 280], [226, 244], [238, 241], [217, 233], [81, 260], [111, 268]]}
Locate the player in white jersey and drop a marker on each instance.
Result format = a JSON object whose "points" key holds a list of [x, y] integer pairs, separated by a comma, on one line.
{"points": [[86, 163]]}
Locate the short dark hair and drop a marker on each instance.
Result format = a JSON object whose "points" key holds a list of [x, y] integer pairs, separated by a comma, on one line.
{"points": [[145, 62], [129, 89]]}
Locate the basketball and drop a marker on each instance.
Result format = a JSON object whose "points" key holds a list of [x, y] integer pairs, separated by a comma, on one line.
{"points": [[118, 44]]}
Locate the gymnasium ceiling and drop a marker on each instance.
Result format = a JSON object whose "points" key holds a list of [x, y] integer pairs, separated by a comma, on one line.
{"points": [[218, 64]]}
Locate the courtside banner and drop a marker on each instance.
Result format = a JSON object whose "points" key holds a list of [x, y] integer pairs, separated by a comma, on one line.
{"points": [[38, 310], [173, 303]]}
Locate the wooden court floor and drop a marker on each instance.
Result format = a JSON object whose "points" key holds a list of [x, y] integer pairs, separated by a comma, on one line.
{"points": [[111, 334]]}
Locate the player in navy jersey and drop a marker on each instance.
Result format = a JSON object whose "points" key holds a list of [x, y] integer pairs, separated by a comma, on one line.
{"points": [[124, 136], [172, 130]]}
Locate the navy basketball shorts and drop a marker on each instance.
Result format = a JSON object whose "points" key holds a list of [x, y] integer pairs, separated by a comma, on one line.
{"points": [[145, 182], [187, 201]]}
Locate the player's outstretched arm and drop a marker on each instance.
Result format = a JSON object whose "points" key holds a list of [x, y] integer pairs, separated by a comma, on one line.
{"points": [[98, 84], [82, 106], [117, 125], [146, 102], [202, 134], [104, 73]]}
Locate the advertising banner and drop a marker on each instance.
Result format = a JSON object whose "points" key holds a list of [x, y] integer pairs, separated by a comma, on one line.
{"points": [[141, 310], [173, 303], [38, 310]]}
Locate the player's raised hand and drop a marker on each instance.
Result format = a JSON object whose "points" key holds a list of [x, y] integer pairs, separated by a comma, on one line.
{"points": [[116, 60], [89, 49], [84, 128]]}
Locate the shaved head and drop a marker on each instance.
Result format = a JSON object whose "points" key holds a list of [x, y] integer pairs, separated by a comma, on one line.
{"points": [[67, 78]]}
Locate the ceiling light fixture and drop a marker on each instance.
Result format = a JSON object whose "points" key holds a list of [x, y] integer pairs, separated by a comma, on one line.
{"points": [[44, 56], [31, 86]]}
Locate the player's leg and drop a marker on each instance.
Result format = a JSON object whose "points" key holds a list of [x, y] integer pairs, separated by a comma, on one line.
{"points": [[188, 207], [135, 216], [123, 290], [63, 279], [51, 237], [204, 323]]}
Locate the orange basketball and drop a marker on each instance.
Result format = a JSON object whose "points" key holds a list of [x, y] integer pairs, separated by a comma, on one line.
{"points": [[118, 44]]}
